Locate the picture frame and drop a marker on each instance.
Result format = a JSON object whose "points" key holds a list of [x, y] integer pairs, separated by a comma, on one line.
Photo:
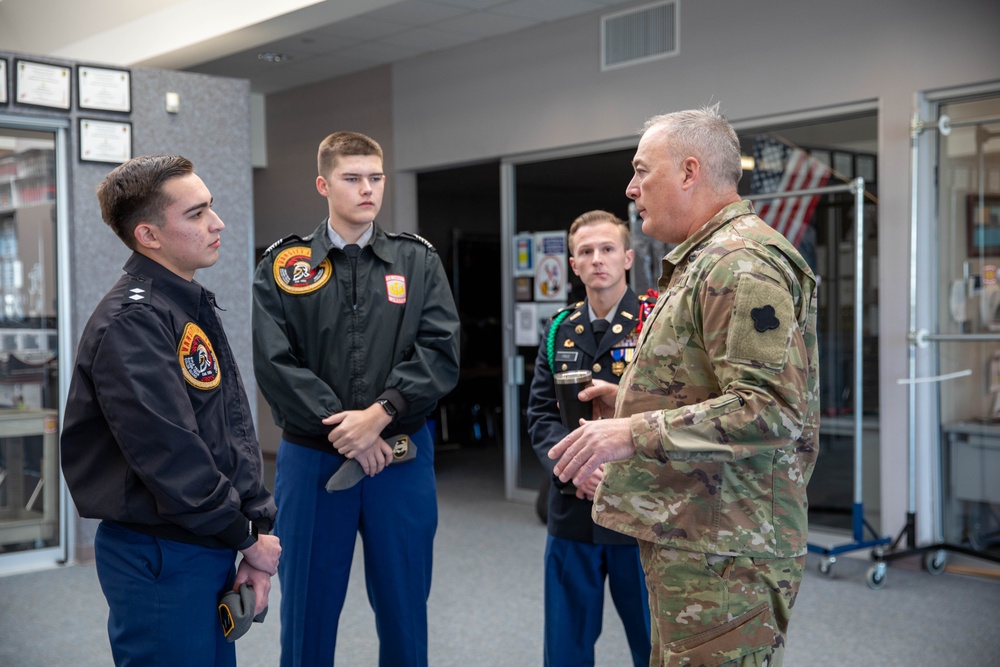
{"points": [[42, 85], [105, 140], [843, 164], [4, 98], [983, 225], [103, 89]]}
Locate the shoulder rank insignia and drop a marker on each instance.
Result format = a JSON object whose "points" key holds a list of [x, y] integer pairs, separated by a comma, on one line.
{"points": [[282, 241], [139, 290], [199, 365], [293, 274], [418, 238]]}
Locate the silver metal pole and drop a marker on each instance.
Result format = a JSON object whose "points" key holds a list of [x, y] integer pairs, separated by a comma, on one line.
{"points": [[911, 388], [858, 186]]}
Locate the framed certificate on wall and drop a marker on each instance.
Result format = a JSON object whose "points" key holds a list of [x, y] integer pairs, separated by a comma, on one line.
{"points": [[3, 81], [105, 140], [41, 85], [103, 89]]}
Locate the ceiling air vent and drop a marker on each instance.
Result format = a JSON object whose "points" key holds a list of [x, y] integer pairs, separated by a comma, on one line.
{"points": [[639, 35]]}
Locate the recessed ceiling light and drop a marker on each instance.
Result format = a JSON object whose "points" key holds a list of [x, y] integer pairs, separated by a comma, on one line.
{"points": [[273, 57]]}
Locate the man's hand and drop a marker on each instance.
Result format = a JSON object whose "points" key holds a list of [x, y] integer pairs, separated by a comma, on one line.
{"points": [[596, 442], [374, 459], [263, 554], [589, 488], [602, 395], [258, 580], [357, 430]]}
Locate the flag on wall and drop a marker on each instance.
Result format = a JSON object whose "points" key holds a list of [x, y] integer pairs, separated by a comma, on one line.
{"points": [[781, 168]]}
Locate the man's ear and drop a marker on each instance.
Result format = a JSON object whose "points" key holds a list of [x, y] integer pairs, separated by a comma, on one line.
{"points": [[322, 186], [692, 172], [146, 235], [629, 258], [572, 265]]}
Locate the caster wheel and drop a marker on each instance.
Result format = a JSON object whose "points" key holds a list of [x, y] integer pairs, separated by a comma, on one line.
{"points": [[876, 576], [826, 567], [934, 561]]}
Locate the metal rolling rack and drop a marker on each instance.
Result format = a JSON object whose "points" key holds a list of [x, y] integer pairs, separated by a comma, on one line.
{"points": [[858, 522], [934, 554]]}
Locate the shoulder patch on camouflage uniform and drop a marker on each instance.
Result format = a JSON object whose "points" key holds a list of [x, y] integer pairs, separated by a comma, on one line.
{"points": [[294, 274], [199, 365], [762, 318], [139, 290]]}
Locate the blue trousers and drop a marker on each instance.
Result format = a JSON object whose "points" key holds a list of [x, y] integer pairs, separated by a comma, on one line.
{"points": [[163, 598], [574, 600], [395, 513]]}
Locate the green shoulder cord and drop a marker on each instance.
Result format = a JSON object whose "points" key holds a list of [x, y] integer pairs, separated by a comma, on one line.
{"points": [[550, 342]]}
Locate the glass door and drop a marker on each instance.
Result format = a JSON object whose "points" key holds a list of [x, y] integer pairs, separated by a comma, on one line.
{"points": [[968, 321], [30, 506]]}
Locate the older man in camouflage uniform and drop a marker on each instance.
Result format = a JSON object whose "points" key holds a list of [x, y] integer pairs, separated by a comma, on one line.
{"points": [[715, 427]]}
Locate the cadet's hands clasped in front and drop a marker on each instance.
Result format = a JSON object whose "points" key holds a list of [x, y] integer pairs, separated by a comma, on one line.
{"points": [[356, 436]]}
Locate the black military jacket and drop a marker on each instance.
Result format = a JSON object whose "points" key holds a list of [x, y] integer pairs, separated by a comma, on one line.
{"points": [[158, 433], [574, 348]]}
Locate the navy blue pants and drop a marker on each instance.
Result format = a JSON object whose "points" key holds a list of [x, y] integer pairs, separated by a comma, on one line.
{"points": [[574, 599], [163, 598], [395, 512]]}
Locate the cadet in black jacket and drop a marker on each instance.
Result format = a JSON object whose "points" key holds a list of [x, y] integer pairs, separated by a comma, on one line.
{"points": [[355, 340], [598, 334], [158, 440]]}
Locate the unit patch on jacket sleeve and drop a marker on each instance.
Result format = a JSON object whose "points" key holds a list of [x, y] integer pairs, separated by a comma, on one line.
{"points": [[293, 274], [395, 288], [199, 365]]}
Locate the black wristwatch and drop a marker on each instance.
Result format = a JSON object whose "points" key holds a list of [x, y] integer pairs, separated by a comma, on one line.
{"points": [[388, 407], [252, 534]]}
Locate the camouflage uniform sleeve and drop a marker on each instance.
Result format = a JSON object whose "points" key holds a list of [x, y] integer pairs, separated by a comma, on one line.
{"points": [[748, 353]]}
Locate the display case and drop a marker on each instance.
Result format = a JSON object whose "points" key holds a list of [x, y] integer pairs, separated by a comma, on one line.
{"points": [[29, 476]]}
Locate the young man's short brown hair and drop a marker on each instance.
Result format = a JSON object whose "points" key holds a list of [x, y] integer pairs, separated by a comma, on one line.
{"points": [[133, 192], [595, 217], [344, 143]]}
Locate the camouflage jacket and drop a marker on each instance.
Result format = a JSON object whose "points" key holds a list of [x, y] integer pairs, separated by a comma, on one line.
{"points": [[723, 398]]}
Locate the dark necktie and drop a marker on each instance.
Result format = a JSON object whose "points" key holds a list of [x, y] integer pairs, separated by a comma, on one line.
{"points": [[600, 327]]}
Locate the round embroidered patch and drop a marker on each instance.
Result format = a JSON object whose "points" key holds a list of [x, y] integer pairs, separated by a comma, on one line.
{"points": [[293, 274], [199, 365]]}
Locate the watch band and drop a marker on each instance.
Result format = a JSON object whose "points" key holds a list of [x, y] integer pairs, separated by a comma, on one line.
{"points": [[387, 405]]}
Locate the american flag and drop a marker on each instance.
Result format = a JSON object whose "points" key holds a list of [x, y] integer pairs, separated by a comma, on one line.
{"points": [[782, 168]]}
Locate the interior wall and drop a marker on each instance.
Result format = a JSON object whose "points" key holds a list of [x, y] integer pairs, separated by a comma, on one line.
{"points": [[213, 131], [285, 196], [542, 88]]}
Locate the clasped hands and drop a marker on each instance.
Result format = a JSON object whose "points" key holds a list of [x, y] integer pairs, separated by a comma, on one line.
{"points": [[356, 436], [581, 454]]}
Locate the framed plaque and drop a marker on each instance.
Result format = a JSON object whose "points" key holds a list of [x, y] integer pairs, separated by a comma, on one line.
{"points": [[3, 81], [41, 85], [105, 140], [103, 89]]}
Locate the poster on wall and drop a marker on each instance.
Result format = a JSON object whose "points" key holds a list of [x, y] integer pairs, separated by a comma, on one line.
{"points": [[104, 89], [524, 248], [550, 253], [3, 81], [531, 322], [105, 141], [42, 85]]}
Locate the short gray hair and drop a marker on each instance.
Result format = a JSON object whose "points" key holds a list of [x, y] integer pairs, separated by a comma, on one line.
{"points": [[706, 135]]}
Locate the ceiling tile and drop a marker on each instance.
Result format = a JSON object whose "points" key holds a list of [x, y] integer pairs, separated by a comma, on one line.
{"points": [[485, 25], [550, 10]]}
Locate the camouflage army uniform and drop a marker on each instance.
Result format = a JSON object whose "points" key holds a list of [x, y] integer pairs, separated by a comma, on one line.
{"points": [[723, 400]]}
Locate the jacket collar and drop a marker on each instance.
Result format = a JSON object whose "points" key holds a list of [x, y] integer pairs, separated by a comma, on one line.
{"points": [[320, 245], [187, 294]]}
